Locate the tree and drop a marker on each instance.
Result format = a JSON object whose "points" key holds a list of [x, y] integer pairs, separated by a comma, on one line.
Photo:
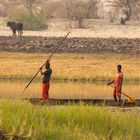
{"points": [[66, 7], [112, 13], [126, 7], [30, 5], [5, 7], [48, 8], [92, 8], [77, 10]]}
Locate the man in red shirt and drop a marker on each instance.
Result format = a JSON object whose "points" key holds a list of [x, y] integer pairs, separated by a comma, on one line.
{"points": [[46, 81], [118, 80]]}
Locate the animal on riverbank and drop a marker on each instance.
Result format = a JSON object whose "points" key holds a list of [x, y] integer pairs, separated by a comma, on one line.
{"points": [[16, 27]]}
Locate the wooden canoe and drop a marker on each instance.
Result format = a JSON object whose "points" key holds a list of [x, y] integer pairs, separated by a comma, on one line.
{"points": [[100, 102]]}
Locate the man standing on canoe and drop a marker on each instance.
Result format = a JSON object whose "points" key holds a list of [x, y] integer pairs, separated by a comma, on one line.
{"points": [[46, 80], [118, 80]]}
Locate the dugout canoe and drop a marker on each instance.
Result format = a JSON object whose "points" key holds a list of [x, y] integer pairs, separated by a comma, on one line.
{"points": [[100, 102]]}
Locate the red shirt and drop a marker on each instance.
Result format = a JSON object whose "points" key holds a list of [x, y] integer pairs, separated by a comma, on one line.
{"points": [[118, 79]]}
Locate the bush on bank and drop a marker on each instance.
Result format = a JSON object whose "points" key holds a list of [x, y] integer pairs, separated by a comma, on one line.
{"points": [[30, 21]]}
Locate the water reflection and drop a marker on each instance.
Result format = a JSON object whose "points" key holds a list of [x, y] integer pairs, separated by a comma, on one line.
{"points": [[12, 90]]}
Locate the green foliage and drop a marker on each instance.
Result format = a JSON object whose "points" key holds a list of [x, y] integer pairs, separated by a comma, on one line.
{"points": [[72, 122], [30, 21]]}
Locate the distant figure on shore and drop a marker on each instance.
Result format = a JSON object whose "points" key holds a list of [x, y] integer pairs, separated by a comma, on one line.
{"points": [[118, 80], [16, 27], [46, 81]]}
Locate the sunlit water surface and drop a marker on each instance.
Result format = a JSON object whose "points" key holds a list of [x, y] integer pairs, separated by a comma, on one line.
{"points": [[64, 90]]}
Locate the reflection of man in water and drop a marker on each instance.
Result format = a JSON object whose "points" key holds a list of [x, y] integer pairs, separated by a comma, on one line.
{"points": [[46, 81], [118, 80]]}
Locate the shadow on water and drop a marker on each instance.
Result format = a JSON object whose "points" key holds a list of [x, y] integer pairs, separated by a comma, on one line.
{"points": [[64, 90]]}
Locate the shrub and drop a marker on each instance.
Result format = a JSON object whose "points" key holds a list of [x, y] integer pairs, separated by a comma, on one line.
{"points": [[30, 21]]}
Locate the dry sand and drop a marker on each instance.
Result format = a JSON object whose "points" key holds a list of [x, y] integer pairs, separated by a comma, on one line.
{"points": [[95, 29]]}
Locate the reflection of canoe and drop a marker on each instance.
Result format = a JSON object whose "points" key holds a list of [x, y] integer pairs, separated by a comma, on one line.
{"points": [[100, 102]]}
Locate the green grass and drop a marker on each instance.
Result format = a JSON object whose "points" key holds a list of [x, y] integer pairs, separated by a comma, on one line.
{"points": [[72, 122], [85, 67]]}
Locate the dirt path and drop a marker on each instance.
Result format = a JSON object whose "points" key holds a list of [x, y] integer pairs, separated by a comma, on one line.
{"points": [[103, 33]]}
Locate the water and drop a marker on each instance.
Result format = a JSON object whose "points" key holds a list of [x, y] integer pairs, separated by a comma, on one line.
{"points": [[65, 90]]}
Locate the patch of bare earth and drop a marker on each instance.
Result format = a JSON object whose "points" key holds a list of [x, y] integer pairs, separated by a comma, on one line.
{"points": [[93, 28]]}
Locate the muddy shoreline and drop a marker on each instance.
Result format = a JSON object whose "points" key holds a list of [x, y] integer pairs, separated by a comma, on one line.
{"points": [[71, 45]]}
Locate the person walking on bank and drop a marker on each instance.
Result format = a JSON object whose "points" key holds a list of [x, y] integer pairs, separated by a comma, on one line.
{"points": [[46, 80], [118, 80]]}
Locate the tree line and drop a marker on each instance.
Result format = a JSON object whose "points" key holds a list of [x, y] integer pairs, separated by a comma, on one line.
{"points": [[73, 10]]}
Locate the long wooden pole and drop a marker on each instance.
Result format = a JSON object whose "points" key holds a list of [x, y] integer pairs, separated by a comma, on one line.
{"points": [[45, 63]]}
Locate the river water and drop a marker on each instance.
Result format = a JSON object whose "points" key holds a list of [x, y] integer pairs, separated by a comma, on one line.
{"points": [[10, 89]]}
